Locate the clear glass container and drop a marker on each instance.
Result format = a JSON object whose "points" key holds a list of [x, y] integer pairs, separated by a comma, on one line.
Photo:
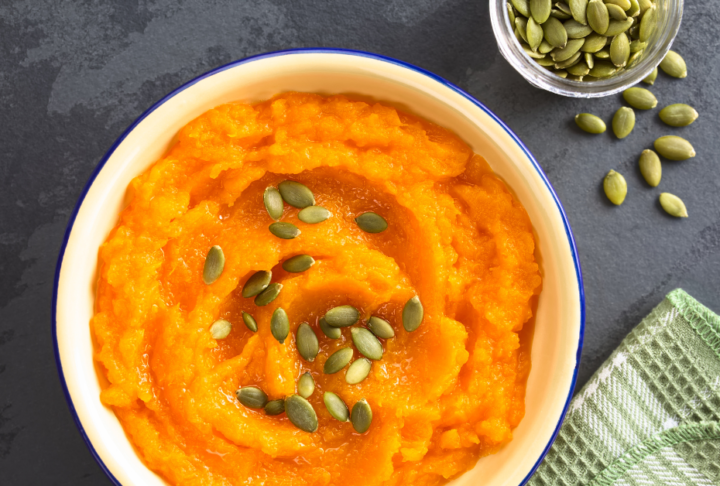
{"points": [[669, 17]]}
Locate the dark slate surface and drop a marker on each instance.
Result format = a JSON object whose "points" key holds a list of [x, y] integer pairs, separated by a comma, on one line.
{"points": [[74, 75]]}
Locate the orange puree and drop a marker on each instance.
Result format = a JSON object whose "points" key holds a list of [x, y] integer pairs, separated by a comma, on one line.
{"points": [[442, 396]]}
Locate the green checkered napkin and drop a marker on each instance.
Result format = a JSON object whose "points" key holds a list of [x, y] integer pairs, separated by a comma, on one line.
{"points": [[651, 414]]}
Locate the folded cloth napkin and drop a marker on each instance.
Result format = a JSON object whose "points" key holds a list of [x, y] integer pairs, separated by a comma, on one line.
{"points": [[651, 414]]}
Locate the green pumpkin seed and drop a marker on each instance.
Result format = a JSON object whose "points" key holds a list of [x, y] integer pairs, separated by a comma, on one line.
{"points": [[337, 361], [521, 26], [589, 60], [620, 50], [280, 325], [674, 148], [371, 222], [616, 27], [572, 48], [634, 9], [337, 408], [623, 122], [673, 205], [534, 34], [546, 62], [644, 6], [593, 43], [578, 9], [328, 330], [678, 115], [252, 397], [286, 231], [257, 282], [648, 24], [579, 69], [273, 203], [545, 47], [540, 10], [615, 187], [555, 33], [342, 316], [650, 78], [604, 54], [214, 265], [570, 77], [296, 194], [314, 214], [511, 14], [298, 263], [366, 343], [636, 46], [517, 35], [358, 371], [623, 4], [381, 328], [564, 7], [522, 6], [674, 65], [268, 295], [301, 413], [559, 14], [529, 52], [307, 342], [361, 416], [275, 407], [650, 167], [249, 321], [220, 329], [634, 32], [603, 69], [568, 63], [306, 385], [576, 30], [640, 98], [598, 16], [590, 123], [412, 314], [616, 12], [560, 73]]}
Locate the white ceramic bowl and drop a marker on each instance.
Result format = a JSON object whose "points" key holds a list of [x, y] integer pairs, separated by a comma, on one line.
{"points": [[561, 310]]}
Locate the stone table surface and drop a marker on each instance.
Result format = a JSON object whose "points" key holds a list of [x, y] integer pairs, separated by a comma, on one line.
{"points": [[74, 75]]}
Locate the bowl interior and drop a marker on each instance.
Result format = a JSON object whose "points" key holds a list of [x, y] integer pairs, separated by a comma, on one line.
{"points": [[560, 313]]}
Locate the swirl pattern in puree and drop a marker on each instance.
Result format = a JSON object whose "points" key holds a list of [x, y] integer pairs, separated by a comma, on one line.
{"points": [[442, 396]]}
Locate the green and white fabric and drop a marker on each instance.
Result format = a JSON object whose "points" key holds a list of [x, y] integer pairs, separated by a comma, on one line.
{"points": [[651, 414]]}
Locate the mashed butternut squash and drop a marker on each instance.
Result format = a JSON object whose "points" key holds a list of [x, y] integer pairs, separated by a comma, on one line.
{"points": [[441, 396]]}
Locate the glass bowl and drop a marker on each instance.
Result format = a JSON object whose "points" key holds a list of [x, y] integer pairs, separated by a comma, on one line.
{"points": [[669, 18]]}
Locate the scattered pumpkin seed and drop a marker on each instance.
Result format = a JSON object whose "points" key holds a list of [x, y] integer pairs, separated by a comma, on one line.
{"points": [[214, 265], [555, 33], [578, 9], [540, 10], [306, 385], [616, 27], [337, 361], [640, 98], [275, 407], [674, 65], [358, 371], [361, 416], [314, 214], [298, 263], [337, 408], [307, 342], [616, 12], [280, 325], [273, 203], [593, 43], [249, 321], [615, 187], [590, 123], [576, 30], [286, 231], [623, 122], [296, 194], [650, 167], [257, 282], [624, 4], [412, 314], [650, 78], [678, 115], [381, 328], [673, 147], [252, 397], [342, 316], [220, 329], [268, 295], [673, 205], [328, 330], [371, 222], [366, 343], [620, 50], [301, 413], [522, 6], [534, 34], [597, 16]]}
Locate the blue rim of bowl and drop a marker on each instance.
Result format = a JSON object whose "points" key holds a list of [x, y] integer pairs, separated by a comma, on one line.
{"points": [[317, 50]]}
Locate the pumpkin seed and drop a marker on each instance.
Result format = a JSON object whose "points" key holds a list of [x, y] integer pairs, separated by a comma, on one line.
{"points": [[220, 329], [640, 98], [529, 52], [673, 205], [576, 30], [381, 328], [337, 361], [366, 343], [301, 413], [572, 47], [634, 9], [342, 316], [650, 78], [604, 54], [555, 33], [590, 123], [329, 331], [298, 263], [634, 32], [314, 214], [371, 222], [337, 408], [545, 47], [674, 148], [268, 295], [575, 78], [648, 24], [644, 5], [623, 4], [214, 265], [361, 416], [522, 6], [578, 9], [534, 34], [412, 314], [589, 60], [616, 12], [546, 62], [616, 27], [296, 194], [636, 46], [623, 122], [273, 203], [358, 371], [286, 231], [568, 63], [615, 187], [521, 26], [560, 73], [306, 385], [620, 50], [598, 16], [249, 321], [280, 325], [275, 407], [678, 115], [603, 69], [558, 14], [593, 43], [252, 397], [674, 65], [307, 342], [540, 10], [511, 14], [257, 282], [650, 167], [564, 7], [579, 69], [517, 35]]}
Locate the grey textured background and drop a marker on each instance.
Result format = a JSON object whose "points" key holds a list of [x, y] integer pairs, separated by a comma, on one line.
{"points": [[74, 75]]}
